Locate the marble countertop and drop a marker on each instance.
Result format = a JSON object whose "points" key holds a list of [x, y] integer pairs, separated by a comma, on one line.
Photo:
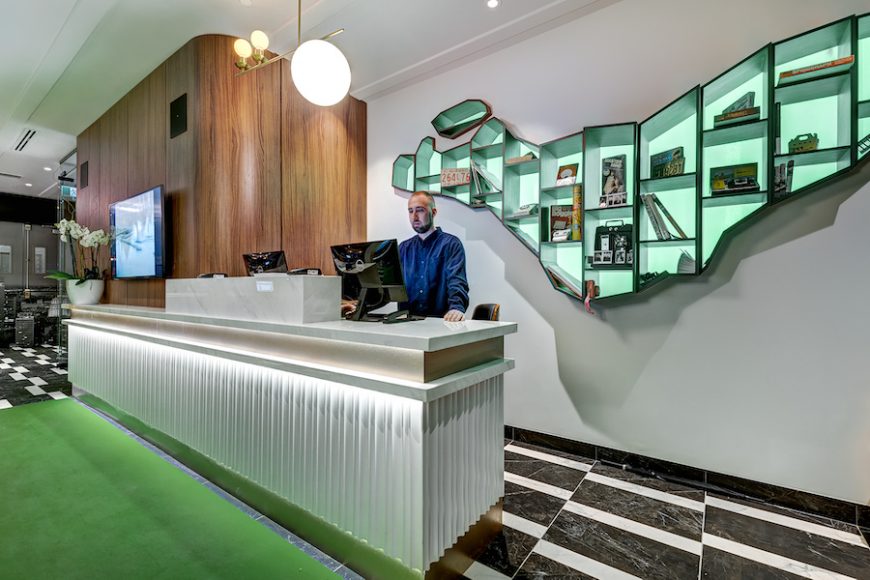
{"points": [[428, 335]]}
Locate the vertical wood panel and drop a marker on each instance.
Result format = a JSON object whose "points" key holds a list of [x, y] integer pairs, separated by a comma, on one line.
{"points": [[113, 182], [324, 176], [181, 199], [238, 173]]}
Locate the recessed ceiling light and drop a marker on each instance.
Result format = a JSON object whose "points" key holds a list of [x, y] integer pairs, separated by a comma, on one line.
{"points": [[47, 168], [28, 185], [492, 3]]}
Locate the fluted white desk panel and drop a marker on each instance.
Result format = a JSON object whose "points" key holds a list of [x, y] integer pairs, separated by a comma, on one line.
{"points": [[407, 474]]}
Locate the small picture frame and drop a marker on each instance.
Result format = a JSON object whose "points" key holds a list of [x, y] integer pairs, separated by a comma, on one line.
{"points": [[620, 257]]}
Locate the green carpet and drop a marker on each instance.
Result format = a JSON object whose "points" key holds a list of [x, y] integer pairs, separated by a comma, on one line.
{"points": [[83, 500]]}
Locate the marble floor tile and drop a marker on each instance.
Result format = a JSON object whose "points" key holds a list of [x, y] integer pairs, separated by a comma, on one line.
{"points": [[789, 513], [478, 571], [537, 567], [622, 550], [543, 471], [4, 404], [530, 504], [658, 514], [555, 452], [650, 482], [507, 552], [825, 553], [721, 565]]}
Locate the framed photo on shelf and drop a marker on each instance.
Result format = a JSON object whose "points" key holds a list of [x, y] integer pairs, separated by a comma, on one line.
{"points": [[613, 192], [567, 174]]}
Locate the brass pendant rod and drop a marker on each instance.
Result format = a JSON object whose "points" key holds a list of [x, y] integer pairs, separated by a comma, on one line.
{"points": [[285, 55]]}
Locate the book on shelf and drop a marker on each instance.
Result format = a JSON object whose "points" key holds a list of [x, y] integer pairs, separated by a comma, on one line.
{"points": [[484, 180], [613, 193], [741, 178], [577, 213], [747, 101], [739, 116], [658, 214], [810, 72], [567, 174], [453, 176], [782, 176], [667, 163], [520, 159], [561, 222]]}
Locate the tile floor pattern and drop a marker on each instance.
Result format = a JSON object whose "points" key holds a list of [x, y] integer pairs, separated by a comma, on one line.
{"points": [[570, 517], [29, 375]]}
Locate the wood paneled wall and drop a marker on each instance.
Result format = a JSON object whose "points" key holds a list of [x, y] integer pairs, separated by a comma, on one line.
{"points": [[259, 168]]}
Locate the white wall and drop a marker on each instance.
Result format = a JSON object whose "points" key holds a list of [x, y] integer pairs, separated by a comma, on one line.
{"points": [[757, 368]]}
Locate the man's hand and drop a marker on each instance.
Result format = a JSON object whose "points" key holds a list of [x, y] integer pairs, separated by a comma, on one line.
{"points": [[348, 307], [454, 316]]}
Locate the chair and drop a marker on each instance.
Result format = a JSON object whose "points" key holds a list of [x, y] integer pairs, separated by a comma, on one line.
{"points": [[485, 312]]}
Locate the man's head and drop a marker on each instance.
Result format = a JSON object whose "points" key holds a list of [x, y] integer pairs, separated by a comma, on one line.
{"points": [[421, 211]]}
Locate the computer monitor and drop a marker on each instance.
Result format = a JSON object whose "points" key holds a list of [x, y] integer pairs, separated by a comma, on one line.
{"points": [[371, 272], [265, 262]]}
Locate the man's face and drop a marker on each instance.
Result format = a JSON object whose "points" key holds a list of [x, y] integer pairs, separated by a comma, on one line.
{"points": [[420, 214]]}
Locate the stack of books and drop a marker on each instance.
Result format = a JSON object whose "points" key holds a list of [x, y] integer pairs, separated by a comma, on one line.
{"points": [[657, 213], [817, 70]]}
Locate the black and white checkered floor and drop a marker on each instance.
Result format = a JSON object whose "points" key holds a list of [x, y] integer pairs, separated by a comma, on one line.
{"points": [[30, 375], [571, 517]]}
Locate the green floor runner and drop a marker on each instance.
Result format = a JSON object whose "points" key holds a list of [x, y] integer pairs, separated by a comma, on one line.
{"points": [[83, 500]]}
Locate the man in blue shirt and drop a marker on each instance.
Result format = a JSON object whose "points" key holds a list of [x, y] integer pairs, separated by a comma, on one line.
{"points": [[433, 265]]}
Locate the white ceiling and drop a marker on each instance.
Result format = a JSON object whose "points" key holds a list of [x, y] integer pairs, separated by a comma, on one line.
{"points": [[68, 61]]}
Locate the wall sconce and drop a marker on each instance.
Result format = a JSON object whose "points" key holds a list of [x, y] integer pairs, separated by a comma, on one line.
{"points": [[320, 70]]}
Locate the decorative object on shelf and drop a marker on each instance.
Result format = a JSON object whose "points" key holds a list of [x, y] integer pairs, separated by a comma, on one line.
{"points": [[561, 222], [85, 284], [667, 163], [592, 292], [567, 174], [782, 174], [741, 178], [453, 176], [614, 242], [803, 143], [613, 192], [735, 117], [577, 212], [526, 210], [461, 118], [830, 67], [319, 69], [747, 101], [487, 181], [520, 159]]}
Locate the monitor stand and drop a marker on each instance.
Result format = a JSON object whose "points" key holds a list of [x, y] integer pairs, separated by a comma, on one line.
{"points": [[360, 314]]}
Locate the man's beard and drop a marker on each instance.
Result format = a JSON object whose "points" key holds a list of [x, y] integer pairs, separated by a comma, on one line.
{"points": [[423, 227]]}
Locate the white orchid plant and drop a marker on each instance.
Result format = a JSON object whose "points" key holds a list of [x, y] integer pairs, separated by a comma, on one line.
{"points": [[86, 251]]}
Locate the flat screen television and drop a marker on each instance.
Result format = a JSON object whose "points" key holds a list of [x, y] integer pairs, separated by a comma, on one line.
{"points": [[138, 235]]}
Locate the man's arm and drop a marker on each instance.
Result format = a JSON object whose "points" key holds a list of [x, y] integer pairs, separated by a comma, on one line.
{"points": [[457, 282]]}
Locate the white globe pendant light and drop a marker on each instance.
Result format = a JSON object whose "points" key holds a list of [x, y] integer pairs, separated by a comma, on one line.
{"points": [[320, 72]]}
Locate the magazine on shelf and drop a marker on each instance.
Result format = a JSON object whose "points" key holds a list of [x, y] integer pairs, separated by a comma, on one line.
{"points": [[741, 178], [667, 163], [561, 221], [567, 174], [809, 72], [613, 193]]}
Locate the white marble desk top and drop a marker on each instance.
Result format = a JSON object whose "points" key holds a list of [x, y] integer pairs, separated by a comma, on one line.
{"points": [[427, 335]]}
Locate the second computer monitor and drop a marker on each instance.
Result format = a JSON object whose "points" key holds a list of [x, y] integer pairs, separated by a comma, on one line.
{"points": [[371, 272]]}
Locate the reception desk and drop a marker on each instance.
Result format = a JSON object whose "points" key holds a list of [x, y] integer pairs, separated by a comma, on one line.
{"points": [[391, 436]]}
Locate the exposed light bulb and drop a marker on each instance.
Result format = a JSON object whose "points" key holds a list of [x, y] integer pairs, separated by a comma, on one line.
{"points": [[259, 40], [492, 3], [243, 48], [320, 72]]}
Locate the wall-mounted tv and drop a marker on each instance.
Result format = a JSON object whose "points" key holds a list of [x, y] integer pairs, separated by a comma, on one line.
{"points": [[138, 235]]}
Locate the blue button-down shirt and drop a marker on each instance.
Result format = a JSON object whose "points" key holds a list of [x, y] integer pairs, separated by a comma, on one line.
{"points": [[434, 273]]}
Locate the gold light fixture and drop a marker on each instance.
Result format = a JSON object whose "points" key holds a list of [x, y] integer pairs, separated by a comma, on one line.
{"points": [[319, 69]]}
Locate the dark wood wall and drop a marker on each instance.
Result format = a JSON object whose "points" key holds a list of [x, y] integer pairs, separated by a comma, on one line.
{"points": [[259, 168]]}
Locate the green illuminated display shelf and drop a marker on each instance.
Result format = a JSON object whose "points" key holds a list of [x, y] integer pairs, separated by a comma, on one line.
{"points": [[621, 207]]}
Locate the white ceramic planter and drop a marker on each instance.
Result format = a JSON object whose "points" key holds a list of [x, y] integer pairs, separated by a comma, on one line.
{"points": [[88, 293]]}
